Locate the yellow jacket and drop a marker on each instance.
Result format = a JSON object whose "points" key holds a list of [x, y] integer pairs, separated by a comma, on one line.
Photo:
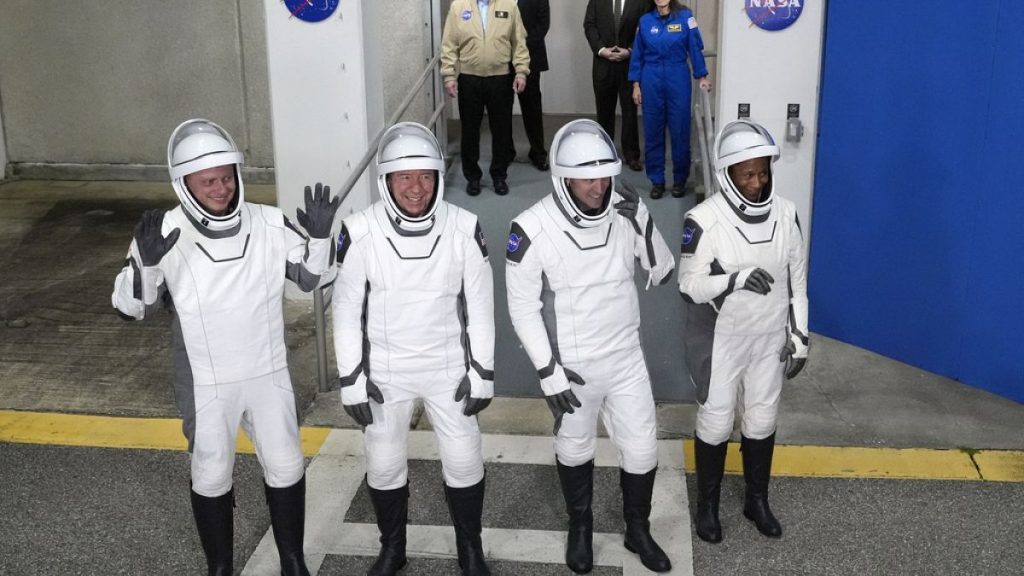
{"points": [[466, 49]]}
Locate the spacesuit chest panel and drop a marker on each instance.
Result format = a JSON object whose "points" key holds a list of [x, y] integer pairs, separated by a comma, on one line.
{"points": [[414, 284], [739, 245], [229, 312], [590, 273]]}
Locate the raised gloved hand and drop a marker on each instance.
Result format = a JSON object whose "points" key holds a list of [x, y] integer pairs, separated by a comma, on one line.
{"points": [[355, 394], [152, 244], [560, 397], [754, 279], [476, 390], [628, 205], [794, 354], [320, 210]]}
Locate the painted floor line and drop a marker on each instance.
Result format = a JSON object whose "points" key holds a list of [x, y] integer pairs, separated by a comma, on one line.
{"points": [[790, 460], [334, 476]]}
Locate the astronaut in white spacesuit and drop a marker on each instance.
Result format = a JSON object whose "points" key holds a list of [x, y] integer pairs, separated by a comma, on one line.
{"points": [[743, 274], [569, 266], [219, 265], [413, 314]]}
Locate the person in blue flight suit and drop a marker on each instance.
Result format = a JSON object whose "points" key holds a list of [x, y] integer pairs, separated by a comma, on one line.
{"points": [[665, 37]]}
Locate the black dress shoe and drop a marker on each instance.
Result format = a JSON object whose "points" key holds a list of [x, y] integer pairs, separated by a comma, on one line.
{"points": [[500, 187], [540, 163], [635, 165], [678, 190], [473, 187], [657, 191]]}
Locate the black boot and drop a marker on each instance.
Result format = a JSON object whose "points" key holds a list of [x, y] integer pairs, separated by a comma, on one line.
{"points": [[392, 509], [466, 506], [288, 517], [215, 524], [757, 471], [636, 510], [710, 467], [578, 490]]}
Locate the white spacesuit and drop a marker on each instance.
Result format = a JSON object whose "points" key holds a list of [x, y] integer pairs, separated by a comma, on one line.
{"points": [[573, 302], [742, 272], [221, 274], [413, 314]]}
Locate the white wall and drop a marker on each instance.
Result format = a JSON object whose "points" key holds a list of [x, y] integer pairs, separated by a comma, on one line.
{"points": [[325, 99], [770, 70]]}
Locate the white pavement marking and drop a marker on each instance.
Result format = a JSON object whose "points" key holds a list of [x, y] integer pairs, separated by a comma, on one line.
{"points": [[336, 472]]}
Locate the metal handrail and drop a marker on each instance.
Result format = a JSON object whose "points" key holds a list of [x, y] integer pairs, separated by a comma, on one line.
{"points": [[322, 294], [706, 139]]}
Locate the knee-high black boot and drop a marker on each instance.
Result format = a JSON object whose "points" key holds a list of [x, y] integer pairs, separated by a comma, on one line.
{"points": [[757, 470], [710, 468], [578, 490], [636, 510], [466, 506], [215, 524], [392, 509], [288, 517]]}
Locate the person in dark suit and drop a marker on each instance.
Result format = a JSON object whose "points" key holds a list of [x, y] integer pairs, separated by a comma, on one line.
{"points": [[611, 45], [536, 15]]}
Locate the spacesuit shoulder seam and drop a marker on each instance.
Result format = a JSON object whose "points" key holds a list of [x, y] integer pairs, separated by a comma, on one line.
{"points": [[357, 225], [703, 215]]}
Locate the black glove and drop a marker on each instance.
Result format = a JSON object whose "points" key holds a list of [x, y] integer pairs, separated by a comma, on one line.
{"points": [[320, 210], [757, 281], [564, 402], [628, 205], [152, 244], [355, 400], [484, 394]]}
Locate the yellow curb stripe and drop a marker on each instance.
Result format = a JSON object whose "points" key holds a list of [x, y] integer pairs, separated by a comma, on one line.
{"points": [[896, 463], [116, 432]]}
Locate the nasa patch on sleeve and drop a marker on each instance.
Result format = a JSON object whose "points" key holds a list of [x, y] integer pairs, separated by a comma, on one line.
{"points": [[344, 241], [480, 241], [518, 244], [691, 23], [691, 236]]}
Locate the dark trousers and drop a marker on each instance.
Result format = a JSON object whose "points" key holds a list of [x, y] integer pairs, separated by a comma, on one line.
{"points": [[614, 87], [533, 115], [493, 94]]}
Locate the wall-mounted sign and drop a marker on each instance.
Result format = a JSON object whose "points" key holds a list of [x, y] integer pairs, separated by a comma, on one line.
{"points": [[773, 15], [311, 10]]}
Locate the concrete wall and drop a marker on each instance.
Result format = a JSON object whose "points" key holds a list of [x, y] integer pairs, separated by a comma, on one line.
{"points": [[104, 83], [93, 89]]}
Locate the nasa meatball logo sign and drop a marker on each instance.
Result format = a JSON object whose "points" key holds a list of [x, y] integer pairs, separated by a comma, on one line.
{"points": [[773, 15]]}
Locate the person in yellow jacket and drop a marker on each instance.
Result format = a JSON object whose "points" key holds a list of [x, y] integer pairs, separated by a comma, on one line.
{"points": [[483, 55]]}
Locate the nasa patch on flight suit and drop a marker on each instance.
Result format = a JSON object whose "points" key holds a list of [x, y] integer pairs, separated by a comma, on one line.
{"points": [[691, 23], [344, 241], [674, 28], [691, 236], [501, 14], [478, 235], [518, 244]]}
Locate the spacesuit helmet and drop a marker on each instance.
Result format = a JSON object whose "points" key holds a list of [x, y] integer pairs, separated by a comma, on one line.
{"points": [[194, 146], [582, 150], [409, 146], [739, 141]]}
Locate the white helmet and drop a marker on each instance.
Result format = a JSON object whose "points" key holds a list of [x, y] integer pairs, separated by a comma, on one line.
{"points": [[409, 146], [583, 150], [739, 141], [196, 145]]}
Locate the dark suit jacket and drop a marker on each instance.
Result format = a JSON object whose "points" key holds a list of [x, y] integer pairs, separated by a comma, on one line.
{"points": [[536, 16], [599, 26]]}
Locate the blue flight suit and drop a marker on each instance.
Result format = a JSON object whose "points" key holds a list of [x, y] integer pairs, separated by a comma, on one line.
{"points": [[658, 63]]}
